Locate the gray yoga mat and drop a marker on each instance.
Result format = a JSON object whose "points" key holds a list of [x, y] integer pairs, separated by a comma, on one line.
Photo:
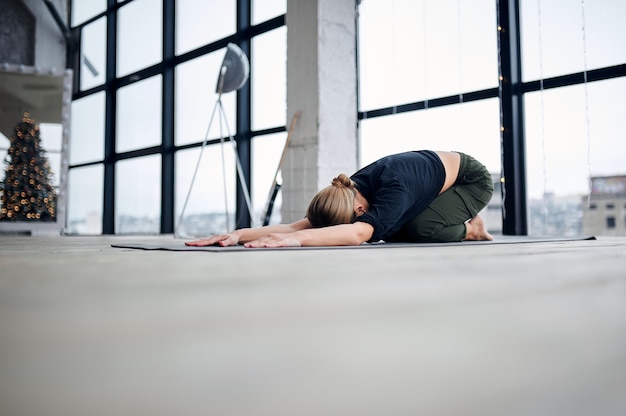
{"points": [[180, 245]]}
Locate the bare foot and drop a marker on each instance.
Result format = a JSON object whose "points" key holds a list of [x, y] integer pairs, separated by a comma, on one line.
{"points": [[476, 231]]}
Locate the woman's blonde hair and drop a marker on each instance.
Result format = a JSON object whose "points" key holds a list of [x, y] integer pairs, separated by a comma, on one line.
{"points": [[334, 204]]}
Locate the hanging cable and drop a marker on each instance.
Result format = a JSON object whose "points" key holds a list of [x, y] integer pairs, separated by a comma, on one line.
{"points": [[587, 123], [425, 52], [459, 17], [393, 57], [542, 122]]}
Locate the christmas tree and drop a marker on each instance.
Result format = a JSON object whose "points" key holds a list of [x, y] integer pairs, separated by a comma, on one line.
{"points": [[27, 190]]}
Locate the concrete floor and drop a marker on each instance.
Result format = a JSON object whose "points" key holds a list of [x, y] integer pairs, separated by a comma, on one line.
{"points": [[513, 329]]}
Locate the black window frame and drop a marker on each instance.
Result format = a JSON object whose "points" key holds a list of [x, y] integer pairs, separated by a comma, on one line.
{"points": [[510, 92]]}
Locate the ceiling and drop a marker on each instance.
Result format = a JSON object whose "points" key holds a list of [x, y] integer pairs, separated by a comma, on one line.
{"points": [[39, 94]]}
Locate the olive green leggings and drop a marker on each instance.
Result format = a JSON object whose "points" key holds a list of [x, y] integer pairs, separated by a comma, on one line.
{"points": [[444, 219]]}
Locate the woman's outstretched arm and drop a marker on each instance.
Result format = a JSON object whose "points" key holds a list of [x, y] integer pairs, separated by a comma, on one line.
{"points": [[335, 235], [244, 235]]}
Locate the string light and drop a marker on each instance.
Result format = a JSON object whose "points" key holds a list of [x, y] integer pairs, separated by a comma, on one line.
{"points": [[502, 127]]}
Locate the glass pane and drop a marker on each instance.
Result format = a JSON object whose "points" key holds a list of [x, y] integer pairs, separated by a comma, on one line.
{"points": [[211, 197], [93, 54], [606, 128], [564, 150], [87, 131], [5, 143], [138, 195], [83, 10], [85, 200], [51, 140], [139, 48], [139, 115], [201, 22], [263, 10], [475, 131], [196, 82], [415, 50], [266, 153], [269, 79], [549, 25]]}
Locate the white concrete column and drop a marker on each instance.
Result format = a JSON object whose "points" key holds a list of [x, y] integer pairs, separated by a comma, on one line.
{"points": [[321, 85]]}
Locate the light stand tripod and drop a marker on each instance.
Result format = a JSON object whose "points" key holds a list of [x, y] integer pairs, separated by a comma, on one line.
{"points": [[234, 73]]}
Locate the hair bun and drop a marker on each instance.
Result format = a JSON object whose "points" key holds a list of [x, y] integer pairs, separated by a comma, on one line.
{"points": [[343, 180]]}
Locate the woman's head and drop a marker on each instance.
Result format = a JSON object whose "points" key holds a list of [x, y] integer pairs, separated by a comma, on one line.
{"points": [[334, 204]]}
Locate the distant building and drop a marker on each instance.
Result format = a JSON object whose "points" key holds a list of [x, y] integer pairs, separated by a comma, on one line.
{"points": [[550, 215], [555, 215], [605, 211]]}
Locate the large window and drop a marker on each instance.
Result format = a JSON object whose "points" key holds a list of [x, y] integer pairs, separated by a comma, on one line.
{"points": [[146, 90], [429, 79], [573, 130], [422, 65]]}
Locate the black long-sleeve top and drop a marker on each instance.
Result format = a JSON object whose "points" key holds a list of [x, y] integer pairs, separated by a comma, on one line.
{"points": [[397, 188]]}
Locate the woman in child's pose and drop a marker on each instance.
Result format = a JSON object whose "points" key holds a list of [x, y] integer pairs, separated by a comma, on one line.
{"points": [[418, 196]]}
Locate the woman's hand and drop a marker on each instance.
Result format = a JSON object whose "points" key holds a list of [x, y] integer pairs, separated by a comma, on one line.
{"points": [[274, 240], [229, 239]]}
